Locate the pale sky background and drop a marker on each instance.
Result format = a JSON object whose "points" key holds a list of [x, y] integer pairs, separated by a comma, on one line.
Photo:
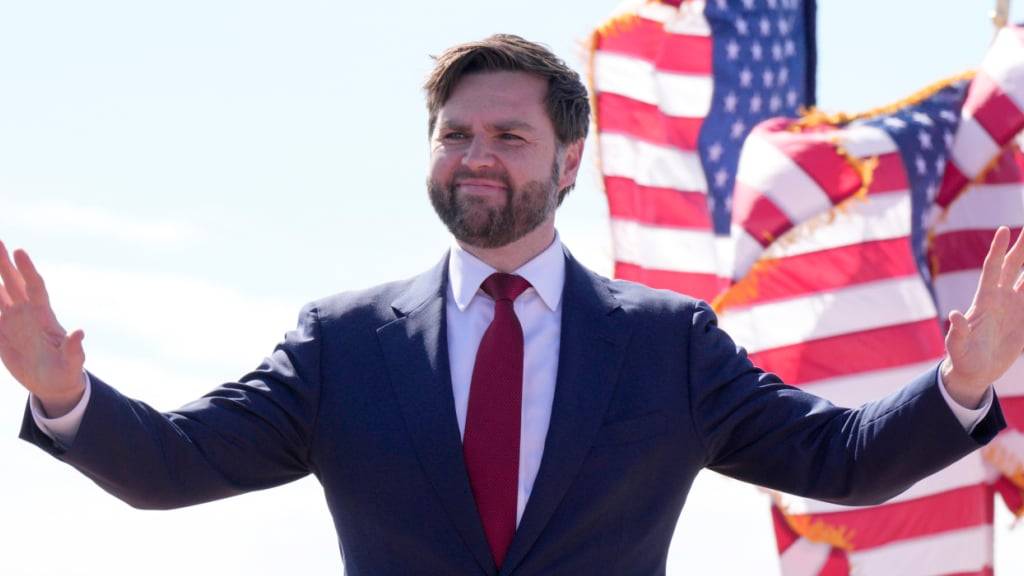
{"points": [[188, 174]]}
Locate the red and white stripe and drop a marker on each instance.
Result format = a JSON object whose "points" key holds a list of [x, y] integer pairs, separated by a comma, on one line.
{"points": [[966, 552], [786, 178], [992, 115], [652, 89]]}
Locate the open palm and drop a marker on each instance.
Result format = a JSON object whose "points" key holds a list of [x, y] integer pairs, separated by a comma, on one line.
{"points": [[983, 343], [34, 347]]}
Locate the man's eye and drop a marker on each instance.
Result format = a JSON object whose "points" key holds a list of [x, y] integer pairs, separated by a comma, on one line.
{"points": [[455, 136], [509, 137]]}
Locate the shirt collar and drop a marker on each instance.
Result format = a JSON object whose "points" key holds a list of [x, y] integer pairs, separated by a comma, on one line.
{"points": [[545, 272]]}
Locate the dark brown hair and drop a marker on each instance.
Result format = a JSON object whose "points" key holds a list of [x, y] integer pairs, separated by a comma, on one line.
{"points": [[568, 106]]}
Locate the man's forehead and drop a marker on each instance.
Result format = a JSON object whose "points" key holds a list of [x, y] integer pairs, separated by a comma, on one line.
{"points": [[503, 86], [500, 100]]}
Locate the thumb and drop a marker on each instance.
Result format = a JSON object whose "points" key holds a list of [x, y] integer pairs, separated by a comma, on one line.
{"points": [[72, 349], [956, 337]]}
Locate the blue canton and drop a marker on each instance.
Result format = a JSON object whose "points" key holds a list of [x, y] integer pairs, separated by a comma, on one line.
{"points": [[762, 68]]}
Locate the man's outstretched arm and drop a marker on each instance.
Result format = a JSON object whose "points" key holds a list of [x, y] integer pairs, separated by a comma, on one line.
{"points": [[242, 436], [867, 455]]}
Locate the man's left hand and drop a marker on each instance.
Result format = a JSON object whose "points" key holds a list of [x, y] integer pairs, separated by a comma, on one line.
{"points": [[982, 344]]}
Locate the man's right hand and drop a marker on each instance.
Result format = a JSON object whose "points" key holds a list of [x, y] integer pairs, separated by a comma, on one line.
{"points": [[34, 347]]}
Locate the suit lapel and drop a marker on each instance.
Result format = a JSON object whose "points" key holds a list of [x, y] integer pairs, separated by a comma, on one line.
{"points": [[416, 351], [593, 341]]}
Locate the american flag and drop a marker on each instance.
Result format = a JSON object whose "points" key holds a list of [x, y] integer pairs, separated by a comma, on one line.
{"points": [[677, 90], [827, 243]]}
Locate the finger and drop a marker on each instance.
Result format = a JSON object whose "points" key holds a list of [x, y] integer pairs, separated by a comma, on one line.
{"points": [[1012, 263], [992, 268], [12, 280], [959, 328], [35, 288], [73, 350], [5, 299]]}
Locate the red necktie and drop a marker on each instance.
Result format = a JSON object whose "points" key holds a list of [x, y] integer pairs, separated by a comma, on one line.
{"points": [[490, 443]]}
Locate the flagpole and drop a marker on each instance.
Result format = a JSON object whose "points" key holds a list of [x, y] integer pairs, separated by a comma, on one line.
{"points": [[1001, 14]]}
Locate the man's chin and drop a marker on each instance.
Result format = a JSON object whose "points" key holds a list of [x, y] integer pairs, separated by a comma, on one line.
{"points": [[473, 205], [477, 238], [482, 242], [481, 233]]}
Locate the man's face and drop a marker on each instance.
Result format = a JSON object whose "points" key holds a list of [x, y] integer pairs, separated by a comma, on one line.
{"points": [[495, 167]]}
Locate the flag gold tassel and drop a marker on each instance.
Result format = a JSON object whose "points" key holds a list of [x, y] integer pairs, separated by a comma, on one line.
{"points": [[816, 529], [1006, 462], [817, 117]]}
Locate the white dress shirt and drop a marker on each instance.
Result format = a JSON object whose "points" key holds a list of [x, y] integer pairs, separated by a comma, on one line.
{"points": [[469, 312], [539, 309]]}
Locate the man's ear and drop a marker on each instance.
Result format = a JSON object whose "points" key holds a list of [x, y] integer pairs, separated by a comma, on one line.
{"points": [[571, 164]]}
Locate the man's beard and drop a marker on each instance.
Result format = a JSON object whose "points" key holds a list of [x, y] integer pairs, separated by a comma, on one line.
{"points": [[474, 221]]}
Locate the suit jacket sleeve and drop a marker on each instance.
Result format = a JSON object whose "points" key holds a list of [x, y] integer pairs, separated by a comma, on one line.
{"points": [[757, 429], [246, 435]]}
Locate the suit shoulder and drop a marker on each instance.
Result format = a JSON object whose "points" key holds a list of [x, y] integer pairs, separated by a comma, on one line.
{"points": [[646, 301], [371, 306]]}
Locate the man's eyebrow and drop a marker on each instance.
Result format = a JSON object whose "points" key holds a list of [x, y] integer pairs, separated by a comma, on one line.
{"points": [[454, 125], [507, 125], [499, 126]]}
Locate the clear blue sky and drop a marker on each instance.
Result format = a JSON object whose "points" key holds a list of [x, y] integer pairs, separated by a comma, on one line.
{"points": [[188, 174]]}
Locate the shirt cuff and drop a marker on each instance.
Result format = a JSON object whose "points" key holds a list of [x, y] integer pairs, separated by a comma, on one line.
{"points": [[61, 430], [967, 417]]}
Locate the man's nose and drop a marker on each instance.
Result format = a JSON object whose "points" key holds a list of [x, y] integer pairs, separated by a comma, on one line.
{"points": [[478, 154]]}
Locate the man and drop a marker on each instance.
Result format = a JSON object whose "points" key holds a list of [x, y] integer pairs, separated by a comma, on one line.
{"points": [[507, 411]]}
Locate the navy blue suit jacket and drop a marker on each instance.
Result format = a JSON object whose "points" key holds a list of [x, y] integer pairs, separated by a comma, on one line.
{"points": [[649, 391]]}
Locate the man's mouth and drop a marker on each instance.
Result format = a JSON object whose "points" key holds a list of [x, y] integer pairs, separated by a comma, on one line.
{"points": [[480, 186]]}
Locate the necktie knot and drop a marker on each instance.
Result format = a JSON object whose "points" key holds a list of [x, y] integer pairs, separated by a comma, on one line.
{"points": [[500, 286]]}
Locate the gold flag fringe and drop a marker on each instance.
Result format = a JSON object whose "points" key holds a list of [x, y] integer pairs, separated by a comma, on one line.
{"points": [[816, 529], [745, 289], [619, 23], [1006, 462], [929, 242], [816, 117], [1012, 471]]}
